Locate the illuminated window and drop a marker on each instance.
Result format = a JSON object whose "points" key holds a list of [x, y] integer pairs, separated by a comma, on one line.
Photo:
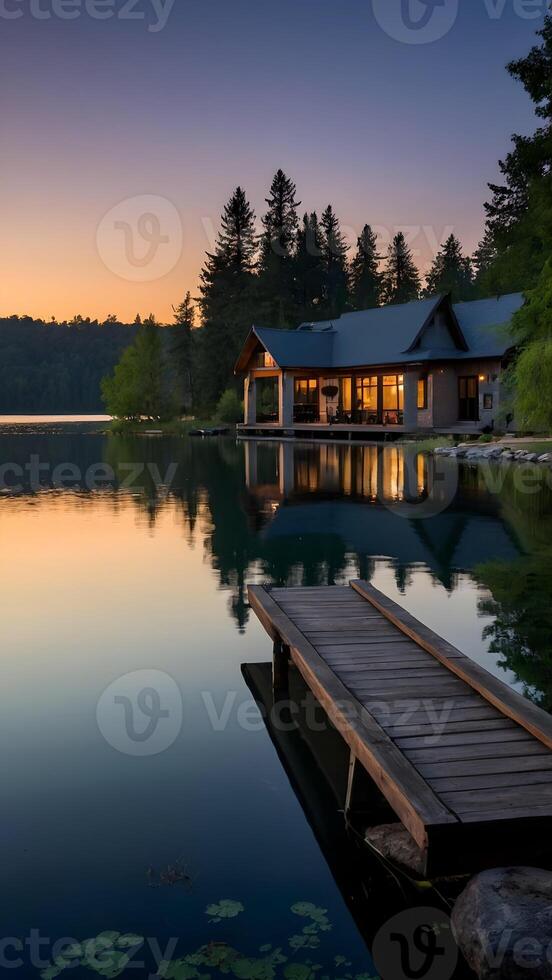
{"points": [[393, 399], [367, 394], [346, 394], [265, 360], [306, 391], [422, 393]]}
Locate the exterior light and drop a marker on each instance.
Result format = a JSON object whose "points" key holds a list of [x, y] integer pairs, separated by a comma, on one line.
{"points": [[482, 377]]}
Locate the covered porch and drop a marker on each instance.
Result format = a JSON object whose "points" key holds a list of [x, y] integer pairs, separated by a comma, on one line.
{"points": [[291, 402]]}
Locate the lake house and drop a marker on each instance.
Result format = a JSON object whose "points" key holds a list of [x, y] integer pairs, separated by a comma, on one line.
{"points": [[426, 366]]}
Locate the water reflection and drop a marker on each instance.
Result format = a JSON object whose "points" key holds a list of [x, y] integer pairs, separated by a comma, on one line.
{"points": [[319, 514]]}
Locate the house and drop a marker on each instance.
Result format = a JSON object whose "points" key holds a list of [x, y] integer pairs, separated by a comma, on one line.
{"points": [[425, 366]]}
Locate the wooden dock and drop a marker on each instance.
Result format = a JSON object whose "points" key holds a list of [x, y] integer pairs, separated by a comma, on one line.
{"points": [[462, 759]]}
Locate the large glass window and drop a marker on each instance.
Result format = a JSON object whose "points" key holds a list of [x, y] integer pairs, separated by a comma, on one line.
{"points": [[306, 400], [306, 391], [393, 399], [367, 398], [346, 394]]}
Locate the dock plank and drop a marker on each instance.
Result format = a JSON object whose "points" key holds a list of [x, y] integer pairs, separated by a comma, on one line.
{"points": [[447, 743]]}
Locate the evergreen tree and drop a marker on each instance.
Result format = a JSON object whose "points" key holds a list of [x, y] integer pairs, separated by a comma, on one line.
{"points": [[137, 388], [513, 213], [275, 282], [451, 272], [401, 277], [309, 271], [181, 350], [226, 300], [366, 279], [533, 368], [138, 320], [334, 261]]}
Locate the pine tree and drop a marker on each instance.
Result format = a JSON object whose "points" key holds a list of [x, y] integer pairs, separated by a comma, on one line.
{"points": [[275, 282], [451, 272], [226, 300], [484, 257], [366, 279], [401, 277], [138, 320], [514, 223], [309, 271], [334, 259], [181, 351]]}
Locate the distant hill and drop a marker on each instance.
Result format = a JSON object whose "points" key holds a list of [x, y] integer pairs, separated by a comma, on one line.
{"points": [[52, 368]]}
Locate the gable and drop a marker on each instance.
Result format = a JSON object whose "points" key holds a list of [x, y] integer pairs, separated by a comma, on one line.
{"points": [[441, 332]]}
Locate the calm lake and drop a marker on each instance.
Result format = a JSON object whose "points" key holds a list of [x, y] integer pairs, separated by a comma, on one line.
{"points": [[127, 555]]}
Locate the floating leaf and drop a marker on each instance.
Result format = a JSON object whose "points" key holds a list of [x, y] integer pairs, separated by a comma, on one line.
{"points": [[305, 909], [129, 940], [227, 908], [297, 971]]}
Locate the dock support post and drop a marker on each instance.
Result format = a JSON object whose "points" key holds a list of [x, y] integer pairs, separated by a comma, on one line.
{"points": [[363, 797], [280, 670]]}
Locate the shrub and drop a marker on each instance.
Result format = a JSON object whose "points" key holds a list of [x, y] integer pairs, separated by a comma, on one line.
{"points": [[229, 408]]}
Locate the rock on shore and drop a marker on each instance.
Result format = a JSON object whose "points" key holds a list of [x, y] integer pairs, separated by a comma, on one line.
{"points": [[502, 923]]}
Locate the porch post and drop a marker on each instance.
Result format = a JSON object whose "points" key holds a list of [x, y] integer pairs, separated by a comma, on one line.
{"points": [[285, 399], [250, 400], [411, 379]]}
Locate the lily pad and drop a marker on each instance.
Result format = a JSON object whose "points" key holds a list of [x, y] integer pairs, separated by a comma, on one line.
{"points": [[227, 908]]}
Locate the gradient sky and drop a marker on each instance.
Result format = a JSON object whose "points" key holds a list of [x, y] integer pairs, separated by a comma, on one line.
{"points": [[99, 112]]}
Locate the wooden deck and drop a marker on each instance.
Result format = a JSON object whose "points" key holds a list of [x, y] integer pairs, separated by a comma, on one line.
{"points": [[464, 761]]}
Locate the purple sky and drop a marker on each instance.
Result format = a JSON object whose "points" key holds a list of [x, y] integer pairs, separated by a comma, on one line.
{"points": [[99, 112]]}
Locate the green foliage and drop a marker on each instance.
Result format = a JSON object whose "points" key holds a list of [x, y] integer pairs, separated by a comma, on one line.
{"points": [[226, 301], [227, 908], [532, 372], [533, 400], [107, 955], [334, 264], [230, 407], [309, 271], [181, 352], [275, 286], [138, 387], [518, 236], [401, 277], [366, 279], [451, 272], [48, 368]]}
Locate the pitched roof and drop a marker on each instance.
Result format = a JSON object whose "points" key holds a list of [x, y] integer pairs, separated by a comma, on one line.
{"points": [[393, 335]]}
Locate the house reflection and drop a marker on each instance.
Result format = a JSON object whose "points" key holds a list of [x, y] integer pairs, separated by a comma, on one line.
{"points": [[374, 473], [374, 501]]}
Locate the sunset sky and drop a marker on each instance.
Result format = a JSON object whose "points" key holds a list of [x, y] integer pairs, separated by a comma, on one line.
{"points": [[97, 112]]}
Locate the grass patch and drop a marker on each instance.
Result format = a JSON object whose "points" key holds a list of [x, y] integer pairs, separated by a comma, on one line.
{"points": [[175, 427]]}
